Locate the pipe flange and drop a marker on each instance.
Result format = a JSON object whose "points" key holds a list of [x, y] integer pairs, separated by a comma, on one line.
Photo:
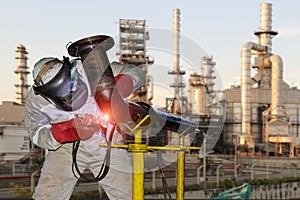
{"points": [[88, 44]]}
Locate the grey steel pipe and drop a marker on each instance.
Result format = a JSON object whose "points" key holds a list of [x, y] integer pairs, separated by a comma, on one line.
{"points": [[246, 82], [277, 77], [92, 51]]}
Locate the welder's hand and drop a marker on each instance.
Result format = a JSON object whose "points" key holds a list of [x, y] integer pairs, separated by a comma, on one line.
{"points": [[86, 126]]}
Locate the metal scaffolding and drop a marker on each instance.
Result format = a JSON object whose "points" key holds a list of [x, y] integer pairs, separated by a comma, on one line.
{"points": [[132, 50]]}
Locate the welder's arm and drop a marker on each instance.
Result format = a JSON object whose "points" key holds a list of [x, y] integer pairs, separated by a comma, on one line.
{"points": [[40, 128]]}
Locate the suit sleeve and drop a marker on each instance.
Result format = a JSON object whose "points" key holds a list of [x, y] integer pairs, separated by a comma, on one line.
{"points": [[38, 123]]}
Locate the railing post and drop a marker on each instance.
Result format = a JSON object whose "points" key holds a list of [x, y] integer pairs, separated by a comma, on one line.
{"points": [[100, 190], [13, 168], [32, 185], [252, 173], [138, 150], [153, 181], [198, 174], [218, 175], [235, 172], [180, 169]]}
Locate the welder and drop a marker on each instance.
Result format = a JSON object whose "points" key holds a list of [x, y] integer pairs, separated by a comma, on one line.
{"points": [[63, 117]]}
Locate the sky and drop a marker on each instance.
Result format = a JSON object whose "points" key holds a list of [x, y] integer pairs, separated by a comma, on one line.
{"points": [[213, 27]]}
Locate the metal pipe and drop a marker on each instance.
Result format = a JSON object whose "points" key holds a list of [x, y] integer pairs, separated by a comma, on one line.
{"points": [[204, 159], [218, 175], [198, 174], [92, 51], [252, 171], [246, 83], [277, 74], [180, 169], [153, 181], [265, 38], [138, 167], [32, 185], [235, 158]]}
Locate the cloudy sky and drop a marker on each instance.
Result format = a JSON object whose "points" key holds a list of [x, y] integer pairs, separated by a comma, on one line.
{"points": [[216, 28]]}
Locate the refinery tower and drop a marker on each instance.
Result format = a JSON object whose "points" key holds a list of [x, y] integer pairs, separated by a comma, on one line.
{"points": [[263, 112]]}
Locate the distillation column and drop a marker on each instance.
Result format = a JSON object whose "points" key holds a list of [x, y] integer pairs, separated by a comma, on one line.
{"points": [[22, 72], [178, 85]]}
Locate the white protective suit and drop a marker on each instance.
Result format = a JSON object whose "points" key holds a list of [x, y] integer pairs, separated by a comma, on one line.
{"points": [[57, 180]]}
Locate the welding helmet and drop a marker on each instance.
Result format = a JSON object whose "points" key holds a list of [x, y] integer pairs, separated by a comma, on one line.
{"points": [[59, 83]]}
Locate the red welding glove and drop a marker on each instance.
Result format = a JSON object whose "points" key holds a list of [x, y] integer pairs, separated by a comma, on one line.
{"points": [[124, 84], [75, 129], [86, 126]]}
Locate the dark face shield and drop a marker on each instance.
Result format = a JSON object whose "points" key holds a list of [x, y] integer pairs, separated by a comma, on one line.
{"points": [[66, 90]]}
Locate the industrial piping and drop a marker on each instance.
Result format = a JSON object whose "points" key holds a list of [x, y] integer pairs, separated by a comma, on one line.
{"points": [[246, 87], [92, 51], [277, 71], [271, 61]]}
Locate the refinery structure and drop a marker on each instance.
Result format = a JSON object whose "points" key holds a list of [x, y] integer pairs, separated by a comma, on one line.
{"points": [[261, 115], [133, 36]]}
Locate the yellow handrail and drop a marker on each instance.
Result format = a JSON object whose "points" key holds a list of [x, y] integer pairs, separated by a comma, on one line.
{"points": [[138, 149]]}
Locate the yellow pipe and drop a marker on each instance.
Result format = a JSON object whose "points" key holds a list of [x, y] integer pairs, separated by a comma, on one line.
{"points": [[170, 148], [138, 150], [140, 123], [180, 169]]}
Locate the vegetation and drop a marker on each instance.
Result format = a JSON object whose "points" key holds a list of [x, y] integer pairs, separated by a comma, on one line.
{"points": [[19, 192], [269, 181], [230, 183], [88, 195]]}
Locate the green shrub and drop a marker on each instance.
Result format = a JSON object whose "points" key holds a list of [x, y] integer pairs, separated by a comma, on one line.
{"points": [[19, 192]]}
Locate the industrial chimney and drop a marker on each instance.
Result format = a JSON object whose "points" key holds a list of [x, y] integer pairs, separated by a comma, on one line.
{"points": [[177, 85], [22, 72]]}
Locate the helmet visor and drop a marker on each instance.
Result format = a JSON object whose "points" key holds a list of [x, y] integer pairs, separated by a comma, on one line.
{"points": [[60, 90]]}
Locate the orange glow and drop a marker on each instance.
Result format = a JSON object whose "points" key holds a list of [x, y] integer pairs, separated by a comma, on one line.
{"points": [[104, 120], [106, 117]]}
